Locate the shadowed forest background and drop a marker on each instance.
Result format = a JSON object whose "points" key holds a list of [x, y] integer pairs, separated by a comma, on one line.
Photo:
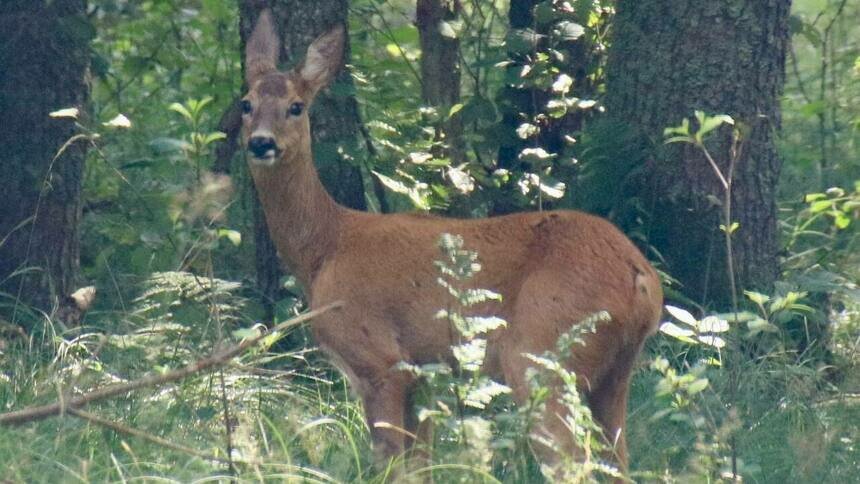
{"points": [[722, 137]]}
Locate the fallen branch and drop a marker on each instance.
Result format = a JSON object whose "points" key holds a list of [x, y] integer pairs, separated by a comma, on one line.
{"points": [[216, 359]]}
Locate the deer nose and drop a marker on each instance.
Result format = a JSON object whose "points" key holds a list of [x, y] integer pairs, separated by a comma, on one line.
{"points": [[262, 146]]}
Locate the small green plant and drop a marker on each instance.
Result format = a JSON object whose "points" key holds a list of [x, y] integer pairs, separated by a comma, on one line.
{"points": [[550, 379], [456, 391], [475, 424]]}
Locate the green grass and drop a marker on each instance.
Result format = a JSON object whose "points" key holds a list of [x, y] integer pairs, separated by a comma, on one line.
{"points": [[292, 418]]}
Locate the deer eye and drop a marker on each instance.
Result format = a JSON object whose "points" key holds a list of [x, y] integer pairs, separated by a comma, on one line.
{"points": [[296, 109], [246, 107]]}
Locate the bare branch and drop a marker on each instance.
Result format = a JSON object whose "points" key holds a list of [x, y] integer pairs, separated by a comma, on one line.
{"points": [[215, 359]]}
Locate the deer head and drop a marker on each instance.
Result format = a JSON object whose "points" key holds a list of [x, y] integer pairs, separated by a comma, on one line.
{"points": [[275, 120]]}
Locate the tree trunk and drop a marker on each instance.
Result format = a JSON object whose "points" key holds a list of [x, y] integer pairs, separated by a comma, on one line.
{"points": [[335, 121], [440, 70], [44, 61], [668, 59]]}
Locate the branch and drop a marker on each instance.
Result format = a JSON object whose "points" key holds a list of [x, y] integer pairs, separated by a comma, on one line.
{"points": [[215, 359]]}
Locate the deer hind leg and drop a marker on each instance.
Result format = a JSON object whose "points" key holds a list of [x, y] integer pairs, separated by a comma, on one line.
{"points": [[385, 399], [608, 405], [540, 317], [550, 426], [605, 395]]}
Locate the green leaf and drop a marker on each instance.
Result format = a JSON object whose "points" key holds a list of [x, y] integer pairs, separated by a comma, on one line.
{"points": [[712, 340], [65, 113], [476, 325], [697, 386], [119, 121], [562, 84], [556, 108], [470, 355], [552, 188], [215, 136], [415, 193], [461, 179], [820, 206], [536, 156], [481, 395], [759, 325], [246, 333], [841, 220], [712, 324], [757, 297], [676, 331], [527, 130], [679, 139], [234, 236], [811, 197], [710, 123], [179, 108], [570, 31], [732, 228], [446, 30], [681, 315], [455, 109], [682, 130]]}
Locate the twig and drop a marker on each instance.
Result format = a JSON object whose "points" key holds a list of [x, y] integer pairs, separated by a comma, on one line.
{"points": [[215, 359]]}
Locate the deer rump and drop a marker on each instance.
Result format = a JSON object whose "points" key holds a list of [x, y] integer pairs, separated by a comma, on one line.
{"points": [[553, 269]]}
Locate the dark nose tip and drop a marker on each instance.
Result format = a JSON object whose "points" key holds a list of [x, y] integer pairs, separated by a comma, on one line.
{"points": [[261, 145]]}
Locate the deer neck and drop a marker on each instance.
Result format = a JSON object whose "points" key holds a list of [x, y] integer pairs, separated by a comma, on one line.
{"points": [[303, 219]]}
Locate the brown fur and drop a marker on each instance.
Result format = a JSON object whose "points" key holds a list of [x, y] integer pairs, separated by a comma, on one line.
{"points": [[553, 268]]}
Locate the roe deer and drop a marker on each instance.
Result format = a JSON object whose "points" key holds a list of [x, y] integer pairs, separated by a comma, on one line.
{"points": [[554, 269]]}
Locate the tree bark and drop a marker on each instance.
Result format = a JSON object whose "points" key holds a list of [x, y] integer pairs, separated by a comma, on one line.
{"points": [[440, 70], [668, 59], [44, 61], [335, 122]]}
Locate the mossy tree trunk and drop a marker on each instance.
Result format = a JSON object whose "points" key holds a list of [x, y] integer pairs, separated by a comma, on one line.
{"points": [[335, 122], [44, 60], [669, 58]]}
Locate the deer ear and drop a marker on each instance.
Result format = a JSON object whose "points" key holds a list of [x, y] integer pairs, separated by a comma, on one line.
{"points": [[262, 49], [323, 59]]}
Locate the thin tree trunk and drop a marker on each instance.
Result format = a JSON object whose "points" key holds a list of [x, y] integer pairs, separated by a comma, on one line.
{"points": [[44, 61], [668, 59], [335, 121], [440, 69]]}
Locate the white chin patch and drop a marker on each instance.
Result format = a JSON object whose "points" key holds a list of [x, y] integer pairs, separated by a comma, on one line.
{"points": [[268, 160]]}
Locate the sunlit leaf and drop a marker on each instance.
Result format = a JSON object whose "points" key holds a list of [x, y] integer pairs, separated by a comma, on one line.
{"points": [[65, 113], [119, 121], [562, 84], [712, 324], [234, 236], [681, 315], [446, 30], [712, 340], [179, 108], [676, 331], [697, 386]]}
